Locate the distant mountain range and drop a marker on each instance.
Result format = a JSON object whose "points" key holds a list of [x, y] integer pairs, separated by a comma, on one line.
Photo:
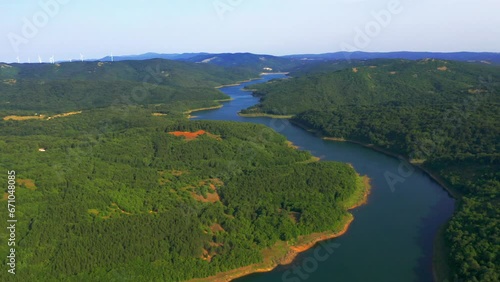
{"points": [[487, 57], [285, 62], [255, 62], [148, 56]]}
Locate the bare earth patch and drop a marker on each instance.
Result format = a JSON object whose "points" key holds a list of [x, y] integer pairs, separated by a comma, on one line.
{"points": [[193, 135], [39, 117], [206, 256], [28, 183], [476, 91], [443, 68], [355, 70], [64, 115], [291, 145], [217, 228], [22, 118], [93, 212], [9, 81], [213, 196]]}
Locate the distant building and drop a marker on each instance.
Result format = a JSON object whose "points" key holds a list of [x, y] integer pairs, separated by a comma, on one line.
{"points": [[41, 150], [268, 69]]}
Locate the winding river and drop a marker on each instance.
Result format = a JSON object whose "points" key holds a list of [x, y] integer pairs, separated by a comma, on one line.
{"points": [[391, 238]]}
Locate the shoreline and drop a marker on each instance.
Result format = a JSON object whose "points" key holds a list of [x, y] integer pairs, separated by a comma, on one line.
{"points": [[202, 109], [271, 73], [452, 192], [436, 249], [441, 271], [249, 80], [308, 242], [264, 115], [237, 83]]}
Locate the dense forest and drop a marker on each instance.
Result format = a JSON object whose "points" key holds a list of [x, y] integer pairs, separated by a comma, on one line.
{"points": [[426, 82], [159, 71], [441, 115], [124, 192], [59, 88]]}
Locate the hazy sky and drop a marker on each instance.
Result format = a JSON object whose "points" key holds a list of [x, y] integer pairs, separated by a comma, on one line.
{"points": [[96, 28]]}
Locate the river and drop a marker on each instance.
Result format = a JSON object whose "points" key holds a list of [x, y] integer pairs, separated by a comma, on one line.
{"points": [[391, 238]]}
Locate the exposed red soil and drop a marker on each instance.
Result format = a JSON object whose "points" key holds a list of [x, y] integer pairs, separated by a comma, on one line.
{"points": [[216, 228], [28, 183], [193, 135], [188, 135]]}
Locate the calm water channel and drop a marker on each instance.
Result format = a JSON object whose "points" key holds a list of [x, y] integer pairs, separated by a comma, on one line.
{"points": [[391, 238]]}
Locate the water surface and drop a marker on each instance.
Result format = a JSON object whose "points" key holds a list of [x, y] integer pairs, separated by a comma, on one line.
{"points": [[391, 238]]}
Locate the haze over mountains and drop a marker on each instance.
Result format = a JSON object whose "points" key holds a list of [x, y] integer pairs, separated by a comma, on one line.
{"points": [[235, 59]]}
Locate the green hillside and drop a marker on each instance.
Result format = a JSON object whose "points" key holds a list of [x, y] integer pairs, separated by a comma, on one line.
{"points": [[427, 82], [125, 187], [157, 71], [58, 88], [441, 115], [116, 194]]}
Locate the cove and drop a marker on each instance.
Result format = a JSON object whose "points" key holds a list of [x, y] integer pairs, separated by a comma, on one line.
{"points": [[391, 238]]}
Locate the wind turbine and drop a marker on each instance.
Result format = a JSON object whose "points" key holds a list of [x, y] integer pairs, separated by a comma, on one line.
{"points": [[39, 59], [18, 59], [29, 61], [81, 57], [112, 58]]}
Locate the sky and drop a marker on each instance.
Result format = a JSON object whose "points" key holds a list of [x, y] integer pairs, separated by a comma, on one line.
{"points": [[64, 29]]}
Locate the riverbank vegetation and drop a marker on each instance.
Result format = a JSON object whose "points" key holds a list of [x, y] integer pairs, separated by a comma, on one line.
{"points": [[442, 115]]}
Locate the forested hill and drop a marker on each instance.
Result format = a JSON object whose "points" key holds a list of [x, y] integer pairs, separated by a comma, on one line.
{"points": [[425, 82], [119, 194], [444, 116], [158, 71], [242, 61], [124, 187], [249, 61], [56, 88], [482, 57]]}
